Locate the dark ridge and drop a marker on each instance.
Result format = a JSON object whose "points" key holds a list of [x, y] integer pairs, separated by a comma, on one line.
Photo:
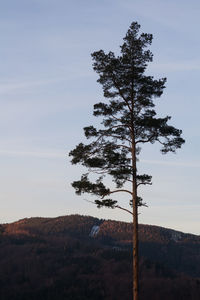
{"points": [[58, 258]]}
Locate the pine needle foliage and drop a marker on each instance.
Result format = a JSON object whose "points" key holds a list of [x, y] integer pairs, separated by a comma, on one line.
{"points": [[128, 117]]}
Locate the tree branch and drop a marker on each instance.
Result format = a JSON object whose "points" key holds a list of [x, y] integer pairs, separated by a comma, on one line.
{"points": [[105, 134], [144, 183], [130, 180], [117, 206], [162, 143], [119, 120], [117, 191], [146, 141], [117, 126], [117, 137], [124, 146]]}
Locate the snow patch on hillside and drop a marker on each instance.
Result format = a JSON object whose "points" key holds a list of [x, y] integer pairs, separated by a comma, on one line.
{"points": [[94, 231]]}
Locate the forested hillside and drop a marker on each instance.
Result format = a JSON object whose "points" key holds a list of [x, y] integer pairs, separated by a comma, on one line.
{"points": [[68, 258]]}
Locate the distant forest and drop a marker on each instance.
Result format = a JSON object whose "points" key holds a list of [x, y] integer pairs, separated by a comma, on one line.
{"points": [[56, 258]]}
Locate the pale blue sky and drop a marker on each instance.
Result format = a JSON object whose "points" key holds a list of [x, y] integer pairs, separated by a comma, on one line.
{"points": [[48, 88]]}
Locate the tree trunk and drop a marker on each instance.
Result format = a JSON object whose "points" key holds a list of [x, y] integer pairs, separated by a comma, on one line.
{"points": [[135, 225], [135, 251]]}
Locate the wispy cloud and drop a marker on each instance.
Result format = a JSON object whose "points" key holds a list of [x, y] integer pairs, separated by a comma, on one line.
{"points": [[10, 86], [171, 163], [73, 74], [166, 13], [34, 154], [176, 66]]}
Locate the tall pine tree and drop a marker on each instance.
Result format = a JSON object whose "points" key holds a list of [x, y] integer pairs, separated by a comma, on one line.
{"points": [[128, 121]]}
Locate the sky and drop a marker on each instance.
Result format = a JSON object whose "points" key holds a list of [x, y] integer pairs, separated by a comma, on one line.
{"points": [[48, 89]]}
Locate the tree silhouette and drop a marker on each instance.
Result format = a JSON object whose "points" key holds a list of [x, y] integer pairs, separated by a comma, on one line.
{"points": [[128, 121]]}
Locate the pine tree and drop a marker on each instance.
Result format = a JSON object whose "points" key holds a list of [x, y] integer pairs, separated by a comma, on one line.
{"points": [[128, 121]]}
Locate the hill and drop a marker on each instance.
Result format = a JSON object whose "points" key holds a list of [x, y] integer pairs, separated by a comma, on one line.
{"points": [[81, 257]]}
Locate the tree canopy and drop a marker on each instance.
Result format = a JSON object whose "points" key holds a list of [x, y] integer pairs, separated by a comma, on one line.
{"points": [[128, 116]]}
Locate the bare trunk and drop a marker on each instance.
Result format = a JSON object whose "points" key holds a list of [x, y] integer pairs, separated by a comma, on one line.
{"points": [[135, 252], [135, 225]]}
